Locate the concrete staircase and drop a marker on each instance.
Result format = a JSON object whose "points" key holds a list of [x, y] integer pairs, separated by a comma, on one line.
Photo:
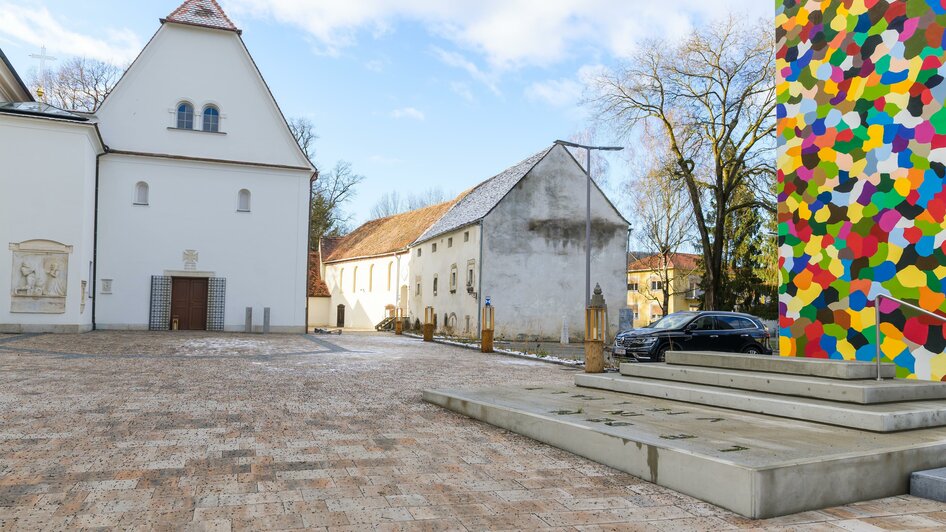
{"points": [[833, 392], [760, 435]]}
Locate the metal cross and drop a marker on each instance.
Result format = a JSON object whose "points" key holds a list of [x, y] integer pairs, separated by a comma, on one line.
{"points": [[42, 65]]}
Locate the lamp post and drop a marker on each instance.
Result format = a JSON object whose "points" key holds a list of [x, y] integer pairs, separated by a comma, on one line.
{"points": [[588, 209]]}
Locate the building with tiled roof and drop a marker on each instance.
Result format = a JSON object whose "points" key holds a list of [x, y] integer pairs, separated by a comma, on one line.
{"points": [[517, 240], [651, 276]]}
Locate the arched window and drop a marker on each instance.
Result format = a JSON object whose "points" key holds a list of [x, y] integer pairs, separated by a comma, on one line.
{"points": [[211, 120], [371, 278], [354, 279], [141, 193], [243, 201], [185, 116], [390, 271]]}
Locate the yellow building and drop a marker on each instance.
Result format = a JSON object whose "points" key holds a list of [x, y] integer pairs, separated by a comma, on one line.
{"points": [[647, 275]]}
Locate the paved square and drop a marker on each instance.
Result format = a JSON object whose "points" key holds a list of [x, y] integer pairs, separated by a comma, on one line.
{"points": [[228, 431]]}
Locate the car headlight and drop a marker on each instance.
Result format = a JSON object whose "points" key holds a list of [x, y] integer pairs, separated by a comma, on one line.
{"points": [[648, 341]]}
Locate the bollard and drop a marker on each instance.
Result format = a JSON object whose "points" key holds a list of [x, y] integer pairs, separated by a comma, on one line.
{"points": [[595, 319], [265, 320], [489, 327], [248, 324], [429, 324]]}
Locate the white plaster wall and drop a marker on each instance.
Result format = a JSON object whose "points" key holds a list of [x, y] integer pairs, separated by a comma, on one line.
{"points": [[446, 303], [534, 252], [202, 66], [47, 192], [365, 303], [319, 311], [262, 253]]}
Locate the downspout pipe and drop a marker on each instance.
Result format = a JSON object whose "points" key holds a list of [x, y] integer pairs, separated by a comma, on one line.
{"points": [[93, 282]]}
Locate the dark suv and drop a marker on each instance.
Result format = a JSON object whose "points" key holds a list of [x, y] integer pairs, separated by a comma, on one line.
{"points": [[694, 331]]}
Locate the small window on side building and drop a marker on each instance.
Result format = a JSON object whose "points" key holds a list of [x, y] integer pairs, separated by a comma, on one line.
{"points": [[243, 201]]}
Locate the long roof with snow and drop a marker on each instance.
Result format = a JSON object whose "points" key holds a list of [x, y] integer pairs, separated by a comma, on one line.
{"points": [[474, 205]]}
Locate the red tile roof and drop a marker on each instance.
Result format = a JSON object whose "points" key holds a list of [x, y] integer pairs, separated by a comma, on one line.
{"points": [[205, 13], [317, 286], [646, 262], [384, 235]]}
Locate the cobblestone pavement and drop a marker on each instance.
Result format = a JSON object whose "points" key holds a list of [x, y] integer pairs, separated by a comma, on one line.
{"points": [[218, 432]]}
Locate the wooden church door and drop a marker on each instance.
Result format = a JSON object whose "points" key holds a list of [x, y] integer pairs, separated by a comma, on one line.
{"points": [[189, 303]]}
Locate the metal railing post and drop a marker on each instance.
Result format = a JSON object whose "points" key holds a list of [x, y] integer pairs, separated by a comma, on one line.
{"points": [[877, 320]]}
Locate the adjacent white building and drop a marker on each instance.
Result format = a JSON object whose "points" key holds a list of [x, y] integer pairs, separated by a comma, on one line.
{"points": [[517, 238], [181, 202]]}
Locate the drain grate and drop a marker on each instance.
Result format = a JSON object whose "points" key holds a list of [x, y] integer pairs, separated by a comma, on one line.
{"points": [[677, 436], [565, 412], [734, 448]]}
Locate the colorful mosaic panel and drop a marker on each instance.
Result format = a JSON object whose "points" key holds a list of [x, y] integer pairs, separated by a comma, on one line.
{"points": [[861, 161]]}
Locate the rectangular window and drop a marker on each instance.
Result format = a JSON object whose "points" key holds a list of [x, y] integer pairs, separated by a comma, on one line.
{"points": [[450, 242], [656, 285], [417, 284], [454, 274], [419, 252], [633, 286], [435, 285], [433, 248], [466, 236]]}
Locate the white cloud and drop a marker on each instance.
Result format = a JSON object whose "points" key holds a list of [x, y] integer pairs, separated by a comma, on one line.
{"points": [[38, 27], [507, 34], [407, 112], [375, 65], [462, 89], [459, 61], [565, 91]]}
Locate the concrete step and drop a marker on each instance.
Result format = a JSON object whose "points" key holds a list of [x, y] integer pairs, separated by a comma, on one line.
{"points": [[866, 391], [885, 417], [929, 484], [759, 466], [815, 367]]}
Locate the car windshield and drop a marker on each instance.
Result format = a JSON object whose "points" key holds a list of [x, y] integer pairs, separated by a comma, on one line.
{"points": [[672, 321]]}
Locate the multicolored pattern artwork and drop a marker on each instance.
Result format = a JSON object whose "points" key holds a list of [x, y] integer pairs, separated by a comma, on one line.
{"points": [[861, 162]]}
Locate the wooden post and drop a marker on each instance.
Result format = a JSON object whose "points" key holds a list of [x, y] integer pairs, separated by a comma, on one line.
{"points": [[595, 318], [489, 326]]}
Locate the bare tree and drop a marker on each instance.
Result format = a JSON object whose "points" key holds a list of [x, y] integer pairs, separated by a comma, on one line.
{"points": [[329, 193], [79, 84], [663, 223], [431, 196], [600, 169], [304, 131], [713, 97], [389, 204]]}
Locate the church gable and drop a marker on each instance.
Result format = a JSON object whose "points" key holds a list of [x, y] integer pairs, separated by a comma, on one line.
{"points": [[194, 91]]}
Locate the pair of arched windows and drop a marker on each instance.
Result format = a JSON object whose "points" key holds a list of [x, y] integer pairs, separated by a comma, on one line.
{"points": [[142, 192], [210, 117]]}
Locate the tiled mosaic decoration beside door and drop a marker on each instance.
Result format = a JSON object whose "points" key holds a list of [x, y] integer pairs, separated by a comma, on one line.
{"points": [[861, 162]]}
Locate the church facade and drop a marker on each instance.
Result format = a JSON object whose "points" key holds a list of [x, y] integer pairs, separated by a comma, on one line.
{"points": [[181, 202]]}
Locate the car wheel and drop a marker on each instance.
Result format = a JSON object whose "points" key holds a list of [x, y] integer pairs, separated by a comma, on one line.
{"points": [[662, 354], [752, 350]]}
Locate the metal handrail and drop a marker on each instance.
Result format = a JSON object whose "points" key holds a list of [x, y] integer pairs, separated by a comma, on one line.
{"points": [[877, 320]]}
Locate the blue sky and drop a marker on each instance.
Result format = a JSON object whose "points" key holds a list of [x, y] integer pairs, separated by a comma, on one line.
{"points": [[414, 93]]}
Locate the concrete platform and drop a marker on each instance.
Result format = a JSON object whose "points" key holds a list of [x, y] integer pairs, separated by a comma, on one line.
{"points": [[865, 391], [815, 367], [756, 465], [930, 484], [885, 417]]}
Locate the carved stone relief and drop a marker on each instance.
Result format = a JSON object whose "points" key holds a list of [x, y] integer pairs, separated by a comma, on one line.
{"points": [[40, 277]]}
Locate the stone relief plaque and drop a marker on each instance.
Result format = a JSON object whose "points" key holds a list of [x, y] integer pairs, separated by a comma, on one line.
{"points": [[40, 277]]}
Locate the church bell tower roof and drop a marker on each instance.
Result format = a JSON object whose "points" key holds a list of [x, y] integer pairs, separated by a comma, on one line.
{"points": [[203, 13]]}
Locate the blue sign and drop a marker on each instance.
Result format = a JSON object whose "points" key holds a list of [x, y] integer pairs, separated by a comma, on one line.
{"points": [[488, 300]]}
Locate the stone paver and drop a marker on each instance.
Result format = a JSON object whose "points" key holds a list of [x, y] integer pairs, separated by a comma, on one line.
{"points": [[199, 431]]}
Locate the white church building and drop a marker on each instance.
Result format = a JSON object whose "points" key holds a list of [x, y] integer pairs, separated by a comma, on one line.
{"points": [[181, 202]]}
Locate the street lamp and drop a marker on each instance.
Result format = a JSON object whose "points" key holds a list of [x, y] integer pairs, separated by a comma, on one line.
{"points": [[588, 209]]}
